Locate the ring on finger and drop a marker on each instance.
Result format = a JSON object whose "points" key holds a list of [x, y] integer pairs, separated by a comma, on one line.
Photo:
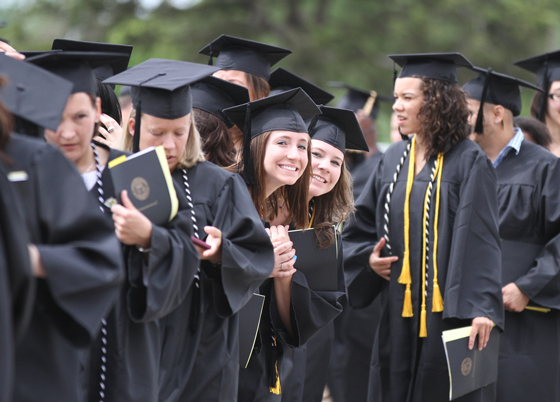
{"points": [[110, 129]]}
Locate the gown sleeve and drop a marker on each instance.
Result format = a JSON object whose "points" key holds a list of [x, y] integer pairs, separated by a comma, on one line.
{"points": [[473, 287], [79, 250], [359, 237], [247, 253], [542, 283], [159, 281]]}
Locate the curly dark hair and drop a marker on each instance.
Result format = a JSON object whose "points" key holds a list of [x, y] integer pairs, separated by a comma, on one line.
{"points": [[216, 142], [444, 115]]}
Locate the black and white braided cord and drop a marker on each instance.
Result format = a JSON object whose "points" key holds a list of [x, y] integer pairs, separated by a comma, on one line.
{"points": [[429, 194], [389, 195], [98, 182], [193, 218]]}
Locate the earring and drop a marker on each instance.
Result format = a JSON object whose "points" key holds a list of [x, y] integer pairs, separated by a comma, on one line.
{"points": [[496, 121]]}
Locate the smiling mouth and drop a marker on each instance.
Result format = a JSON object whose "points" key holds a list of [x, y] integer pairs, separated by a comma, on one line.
{"points": [[289, 168], [319, 179]]}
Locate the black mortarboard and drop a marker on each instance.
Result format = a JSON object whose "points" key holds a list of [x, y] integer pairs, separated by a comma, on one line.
{"points": [[244, 55], [213, 95], [33, 94], [105, 71], [547, 68], [339, 128], [161, 88], [76, 66], [356, 99], [33, 53], [498, 89], [437, 66], [285, 111], [282, 80]]}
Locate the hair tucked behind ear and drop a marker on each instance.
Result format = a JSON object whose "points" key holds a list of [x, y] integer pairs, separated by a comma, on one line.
{"points": [[444, 115]]}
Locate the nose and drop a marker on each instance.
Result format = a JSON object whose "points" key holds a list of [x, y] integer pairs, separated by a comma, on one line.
{"points": [[293, 153], [325, 165], [168, 142], [397, 105]]}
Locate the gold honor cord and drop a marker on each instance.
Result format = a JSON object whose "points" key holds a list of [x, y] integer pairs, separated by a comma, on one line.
{"points": [[277, 390]]}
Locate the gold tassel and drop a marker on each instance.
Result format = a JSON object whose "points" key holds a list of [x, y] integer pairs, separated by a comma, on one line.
{"points": [[276, 390], [437, 300], [423, 327], [405, 278], [407, 306]]}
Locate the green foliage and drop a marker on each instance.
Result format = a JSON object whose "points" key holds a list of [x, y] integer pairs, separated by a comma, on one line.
{"points": [[332, 40]]}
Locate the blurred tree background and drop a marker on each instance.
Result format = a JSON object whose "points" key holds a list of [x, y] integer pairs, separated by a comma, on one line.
{"points": [[332, 40]]}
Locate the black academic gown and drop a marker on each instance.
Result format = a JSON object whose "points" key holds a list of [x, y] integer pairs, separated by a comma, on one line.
{"points": [[203, 365], [17, 289], [405, 367], [529, 202], [150, 291], [311, 311], [82, 260], [311, 360], [354, 328]]}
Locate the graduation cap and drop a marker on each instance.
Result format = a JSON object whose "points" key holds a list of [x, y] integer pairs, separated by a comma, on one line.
{"points": [[33, 53], [33, 94], [76, 66], [161, 88], [107, 70], [498, 89], [282, 80], [356, 99], [547, 68], [285, 111], [437, 66], [244, 55], [212, 94], [339, 128]]}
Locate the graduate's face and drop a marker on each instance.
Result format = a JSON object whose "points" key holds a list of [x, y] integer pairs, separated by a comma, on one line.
{"points": [[285, 159], [172, 134], [234, 76], [409, 98], [326, 162], [75, 130], [474, 105], [553, 107]]}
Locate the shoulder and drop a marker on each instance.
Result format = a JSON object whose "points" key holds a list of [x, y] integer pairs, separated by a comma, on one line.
{"points": [[463, 158], [23, 149], [537, 153], [208, 181]]}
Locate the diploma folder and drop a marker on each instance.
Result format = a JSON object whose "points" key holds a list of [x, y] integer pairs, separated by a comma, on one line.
{"points": [[470, 370], [319, 265], [249, 322], [146, 177]]}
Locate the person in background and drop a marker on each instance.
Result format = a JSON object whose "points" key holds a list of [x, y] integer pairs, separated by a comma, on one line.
{"points": [[529, 205], [534, 131], [125, 102]]}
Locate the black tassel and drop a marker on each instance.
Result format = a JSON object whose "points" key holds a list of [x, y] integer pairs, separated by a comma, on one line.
{"points": [[544, 97], [479, 126], [248, 170], [136, 137], [394, 73], [312, 125]]}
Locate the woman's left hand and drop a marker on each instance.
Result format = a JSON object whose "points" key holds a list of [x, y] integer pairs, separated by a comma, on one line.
{"points": [[110, 136], [214, 239], [131, 226], [482, 327]]}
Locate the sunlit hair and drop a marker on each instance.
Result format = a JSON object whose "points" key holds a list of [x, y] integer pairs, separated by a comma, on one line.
{"points": [[258, 87], [6, 125], [333, 207], [192, 153], [216, 141], [294, 196], [444, 115]]}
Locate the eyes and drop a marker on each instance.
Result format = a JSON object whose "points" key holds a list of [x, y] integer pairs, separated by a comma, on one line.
{"points": [[301, 146], [319, 155]]}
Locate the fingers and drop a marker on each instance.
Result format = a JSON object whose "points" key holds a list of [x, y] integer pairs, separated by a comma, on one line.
{"points": [[472, 337], [283, 248], [126, 201], [213, 231], [379, 246]]}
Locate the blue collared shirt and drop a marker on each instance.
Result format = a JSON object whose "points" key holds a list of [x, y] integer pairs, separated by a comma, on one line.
{"points": [[513, 145]]}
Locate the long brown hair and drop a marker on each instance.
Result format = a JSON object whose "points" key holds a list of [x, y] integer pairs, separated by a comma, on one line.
{"points": [[258, 87], [536, 105], [294, 196], [444, 115], [216, 141]]}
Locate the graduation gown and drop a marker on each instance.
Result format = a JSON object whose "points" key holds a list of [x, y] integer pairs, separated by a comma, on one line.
{"points": [[529, 202], [311, 360], [82, 260], [310, 312], [405, 367], [16, 282], [354, 328], [151, 290], [204, 365]]}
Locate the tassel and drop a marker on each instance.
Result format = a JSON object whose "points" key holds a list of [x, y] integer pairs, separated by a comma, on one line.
{"points": [[276, 390], [407, 306], [405, 278], [274, 377], [437, 300], [423, 327], [248, 170]]}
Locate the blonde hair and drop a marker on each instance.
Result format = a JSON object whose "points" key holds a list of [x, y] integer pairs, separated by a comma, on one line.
{"points": [[192, 154]]}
